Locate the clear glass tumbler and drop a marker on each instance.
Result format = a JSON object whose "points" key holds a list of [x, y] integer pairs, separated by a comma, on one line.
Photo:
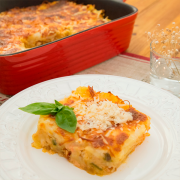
{"points": [[165, 72]]}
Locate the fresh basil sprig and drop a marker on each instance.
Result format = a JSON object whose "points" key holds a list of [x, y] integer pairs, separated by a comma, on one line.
{"points": [[65, 117]]}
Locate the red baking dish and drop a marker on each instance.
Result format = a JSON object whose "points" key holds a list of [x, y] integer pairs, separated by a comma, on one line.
{"points": [[71, 54]]}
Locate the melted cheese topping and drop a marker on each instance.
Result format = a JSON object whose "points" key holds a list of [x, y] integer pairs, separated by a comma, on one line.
{"points": [[99, 114], [25, 28]]}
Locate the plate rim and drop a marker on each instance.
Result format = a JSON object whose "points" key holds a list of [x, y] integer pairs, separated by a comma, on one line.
{"points": [[66, 77], [77, 76]]}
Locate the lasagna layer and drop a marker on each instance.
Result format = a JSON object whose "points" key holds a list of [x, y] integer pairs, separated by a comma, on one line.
{"points": [[96, 147], [25, 28]]}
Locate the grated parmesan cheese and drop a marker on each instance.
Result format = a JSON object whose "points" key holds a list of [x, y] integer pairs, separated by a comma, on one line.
{"points": [[99, 114]]}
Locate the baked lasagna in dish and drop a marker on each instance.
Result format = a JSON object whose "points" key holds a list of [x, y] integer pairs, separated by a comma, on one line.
{"points": [[23, 28], [107, 131]]}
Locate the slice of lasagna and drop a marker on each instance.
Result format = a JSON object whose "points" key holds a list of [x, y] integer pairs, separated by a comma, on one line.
{"points": [[108, 130]]}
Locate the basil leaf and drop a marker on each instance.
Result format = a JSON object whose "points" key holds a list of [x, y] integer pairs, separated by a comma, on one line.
{"points": [[58, 105], [70, 108], [40, 108], [55, 110], [66, 119]]}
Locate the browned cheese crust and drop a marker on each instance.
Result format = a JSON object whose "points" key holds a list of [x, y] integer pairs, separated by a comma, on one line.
{"points": [[23, 28]]}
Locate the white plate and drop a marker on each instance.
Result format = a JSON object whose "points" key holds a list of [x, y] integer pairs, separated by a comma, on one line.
{"points": [[158, 157]]}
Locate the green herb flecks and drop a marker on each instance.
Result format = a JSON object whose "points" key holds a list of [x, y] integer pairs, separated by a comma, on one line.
{"points": [[96, 166], [107, 157], [65, 117], [54, 142]]}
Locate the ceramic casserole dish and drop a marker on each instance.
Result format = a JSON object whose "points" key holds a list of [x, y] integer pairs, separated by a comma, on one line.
{"points": [[71, 54]]}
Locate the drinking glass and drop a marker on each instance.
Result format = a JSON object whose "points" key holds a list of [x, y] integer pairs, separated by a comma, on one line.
{"points": [[165, 72]]}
